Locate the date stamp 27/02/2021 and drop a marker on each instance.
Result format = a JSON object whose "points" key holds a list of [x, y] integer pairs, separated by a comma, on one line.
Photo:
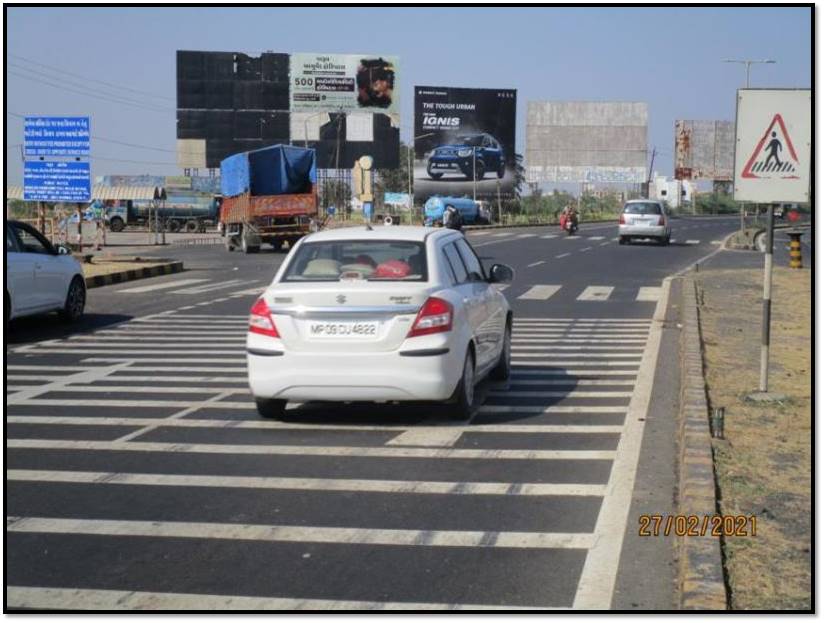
{"points": [[695, 525]]}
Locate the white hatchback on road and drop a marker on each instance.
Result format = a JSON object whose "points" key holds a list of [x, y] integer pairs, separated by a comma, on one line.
{"points": [[644, 218], [384, 314], [40, 277]]}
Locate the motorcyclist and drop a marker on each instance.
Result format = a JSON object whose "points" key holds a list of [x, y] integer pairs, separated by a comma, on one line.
{"points": [[569, 214], [452, 218]]}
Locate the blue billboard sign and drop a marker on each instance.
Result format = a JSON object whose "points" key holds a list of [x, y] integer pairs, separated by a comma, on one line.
{"points": [[396, 198], [56, 137], [57, 181]]}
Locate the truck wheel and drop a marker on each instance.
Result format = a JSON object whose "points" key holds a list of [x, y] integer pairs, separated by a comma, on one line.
{"points": [[116, 224], [192, 226], [172, 226], [246, 247]]}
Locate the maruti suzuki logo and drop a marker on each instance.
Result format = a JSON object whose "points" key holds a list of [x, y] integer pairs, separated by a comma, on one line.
{"points": [[341, 299]]}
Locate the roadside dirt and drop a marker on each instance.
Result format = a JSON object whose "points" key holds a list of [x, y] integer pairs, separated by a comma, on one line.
{"points": [[763, 466]]}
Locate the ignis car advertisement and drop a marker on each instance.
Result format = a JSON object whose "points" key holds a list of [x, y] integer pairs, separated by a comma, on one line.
{"points": [[344, 83], [464, 142]]}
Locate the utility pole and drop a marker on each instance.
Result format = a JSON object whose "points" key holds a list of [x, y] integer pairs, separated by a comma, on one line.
{"points": [[474, 175], [649, 175]]}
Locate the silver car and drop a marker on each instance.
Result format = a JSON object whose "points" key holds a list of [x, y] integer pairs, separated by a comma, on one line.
{"points": [[644, 218]]}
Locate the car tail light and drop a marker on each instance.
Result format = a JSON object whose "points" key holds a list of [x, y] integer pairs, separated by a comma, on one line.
{"points": [[260, 320], [661, 220], [622, 220], [434, 317]]}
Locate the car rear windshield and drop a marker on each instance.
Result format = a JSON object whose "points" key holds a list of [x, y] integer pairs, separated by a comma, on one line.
{"points": [[642, 208], [369, 260]]}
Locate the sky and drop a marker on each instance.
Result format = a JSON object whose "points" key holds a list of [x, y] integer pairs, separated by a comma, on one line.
{"points": [[670, 58]]}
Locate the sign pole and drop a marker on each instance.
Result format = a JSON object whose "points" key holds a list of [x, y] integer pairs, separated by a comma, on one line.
{"points": [[766, 303], [80, 227]]}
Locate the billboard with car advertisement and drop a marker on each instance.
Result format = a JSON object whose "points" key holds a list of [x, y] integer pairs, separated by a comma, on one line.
{"points": [[344, 83], [464, 142]]}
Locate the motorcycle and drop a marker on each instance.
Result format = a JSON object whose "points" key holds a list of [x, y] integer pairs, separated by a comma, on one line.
{"points": [[569, 225]]}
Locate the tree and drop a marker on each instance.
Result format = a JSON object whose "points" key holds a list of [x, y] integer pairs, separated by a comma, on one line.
{"points": [[519, 176], [396, 180]]}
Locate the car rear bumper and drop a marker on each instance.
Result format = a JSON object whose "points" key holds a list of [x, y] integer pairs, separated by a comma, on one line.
{"points": [[426, 373], [643, 231]]}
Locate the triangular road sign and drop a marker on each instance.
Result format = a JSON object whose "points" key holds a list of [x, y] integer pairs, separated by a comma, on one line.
{"points": [[774, 157]]}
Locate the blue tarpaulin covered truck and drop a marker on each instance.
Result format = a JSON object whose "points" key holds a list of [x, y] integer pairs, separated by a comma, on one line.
{"points": [[268, 195]]}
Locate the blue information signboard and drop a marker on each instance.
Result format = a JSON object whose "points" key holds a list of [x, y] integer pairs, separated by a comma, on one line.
{"points": [[56, 136], [57, 181]]}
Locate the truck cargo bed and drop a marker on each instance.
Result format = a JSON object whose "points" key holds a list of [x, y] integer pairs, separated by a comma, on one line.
{"points": [[245, 208]]}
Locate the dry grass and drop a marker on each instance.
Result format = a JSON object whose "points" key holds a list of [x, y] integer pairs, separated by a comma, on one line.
{"points": [[764, 464]]}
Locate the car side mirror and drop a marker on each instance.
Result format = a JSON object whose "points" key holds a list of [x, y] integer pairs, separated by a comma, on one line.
{"points": [[501, 273]]}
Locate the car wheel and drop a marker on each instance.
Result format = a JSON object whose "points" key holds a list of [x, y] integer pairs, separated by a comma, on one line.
{"points": [[433, 174], [622, 240], [270, 409], [463, 400], [502, 170], [504, 367], [116, 224], [75, 300], [480, 170]]}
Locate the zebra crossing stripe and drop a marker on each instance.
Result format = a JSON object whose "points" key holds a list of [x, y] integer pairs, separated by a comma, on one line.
{"points": [[299, 534], [549, 237], [161, 286], [595, 238], [540, 293], [43, 598], [595, 293]]}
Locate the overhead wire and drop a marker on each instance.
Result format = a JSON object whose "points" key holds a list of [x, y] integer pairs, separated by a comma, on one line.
{"points": [[111, 84]]}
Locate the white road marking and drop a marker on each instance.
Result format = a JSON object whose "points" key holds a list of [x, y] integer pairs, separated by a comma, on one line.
{"points": [[516, 354], [480, 233], [526, 235], [55, 420], [558, 257], [43, 598], [429, 437], [552, 409], [693, 242], [595, 238], [535, 264], [597, 581], [717, 242], [76, 350], [137, 389], [299, 534], [603, 244], [595, 349], [161, 286], [539, 293], [308, 484], [576, 382], [644, 321], [160, 340], [54, 368], [572, 237], [646, 293], [501, 234], [542, 339], [560, 394], [187, 360], [585, 249], [500, 287], [549, 237], [555, 363], [595, 293], [569, 373], [222, 285], [382, 451]]}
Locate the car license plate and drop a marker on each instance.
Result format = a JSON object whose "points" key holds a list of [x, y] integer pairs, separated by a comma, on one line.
{"points": [[361, 330], [442, 165]]}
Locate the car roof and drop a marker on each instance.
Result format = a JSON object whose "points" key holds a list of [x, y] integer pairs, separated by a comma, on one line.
{"points": [[380, 232], [643, 201]]}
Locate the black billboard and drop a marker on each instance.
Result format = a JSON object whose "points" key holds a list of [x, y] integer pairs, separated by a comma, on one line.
{"points": [[235, 102], [464, 142]]}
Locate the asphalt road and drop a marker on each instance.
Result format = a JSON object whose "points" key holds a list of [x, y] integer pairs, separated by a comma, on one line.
{"points": [[139, 474]]}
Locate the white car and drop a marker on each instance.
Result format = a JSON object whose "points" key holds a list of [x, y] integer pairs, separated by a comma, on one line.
{"points": [[41, 277], [644, 218], [385, 314]]}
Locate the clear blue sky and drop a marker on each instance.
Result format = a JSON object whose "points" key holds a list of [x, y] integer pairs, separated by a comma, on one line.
{"points": [[669, 58]]}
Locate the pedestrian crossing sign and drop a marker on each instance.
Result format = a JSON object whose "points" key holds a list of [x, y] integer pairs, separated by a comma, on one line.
{"points": [[773, 130]]}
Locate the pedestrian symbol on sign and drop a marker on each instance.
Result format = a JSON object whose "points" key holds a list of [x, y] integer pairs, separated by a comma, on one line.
{"points": [[766, 161]]}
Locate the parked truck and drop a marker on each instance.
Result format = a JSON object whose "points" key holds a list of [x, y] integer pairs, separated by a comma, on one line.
{"points": [[269, 195], [172, 218]]}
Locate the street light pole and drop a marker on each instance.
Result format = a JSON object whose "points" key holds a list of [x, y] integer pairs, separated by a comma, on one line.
{"points": [[410, 149], [748, 62]]}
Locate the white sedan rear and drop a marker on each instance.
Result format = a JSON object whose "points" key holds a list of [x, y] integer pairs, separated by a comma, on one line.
{"points": [[384, 314]]}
